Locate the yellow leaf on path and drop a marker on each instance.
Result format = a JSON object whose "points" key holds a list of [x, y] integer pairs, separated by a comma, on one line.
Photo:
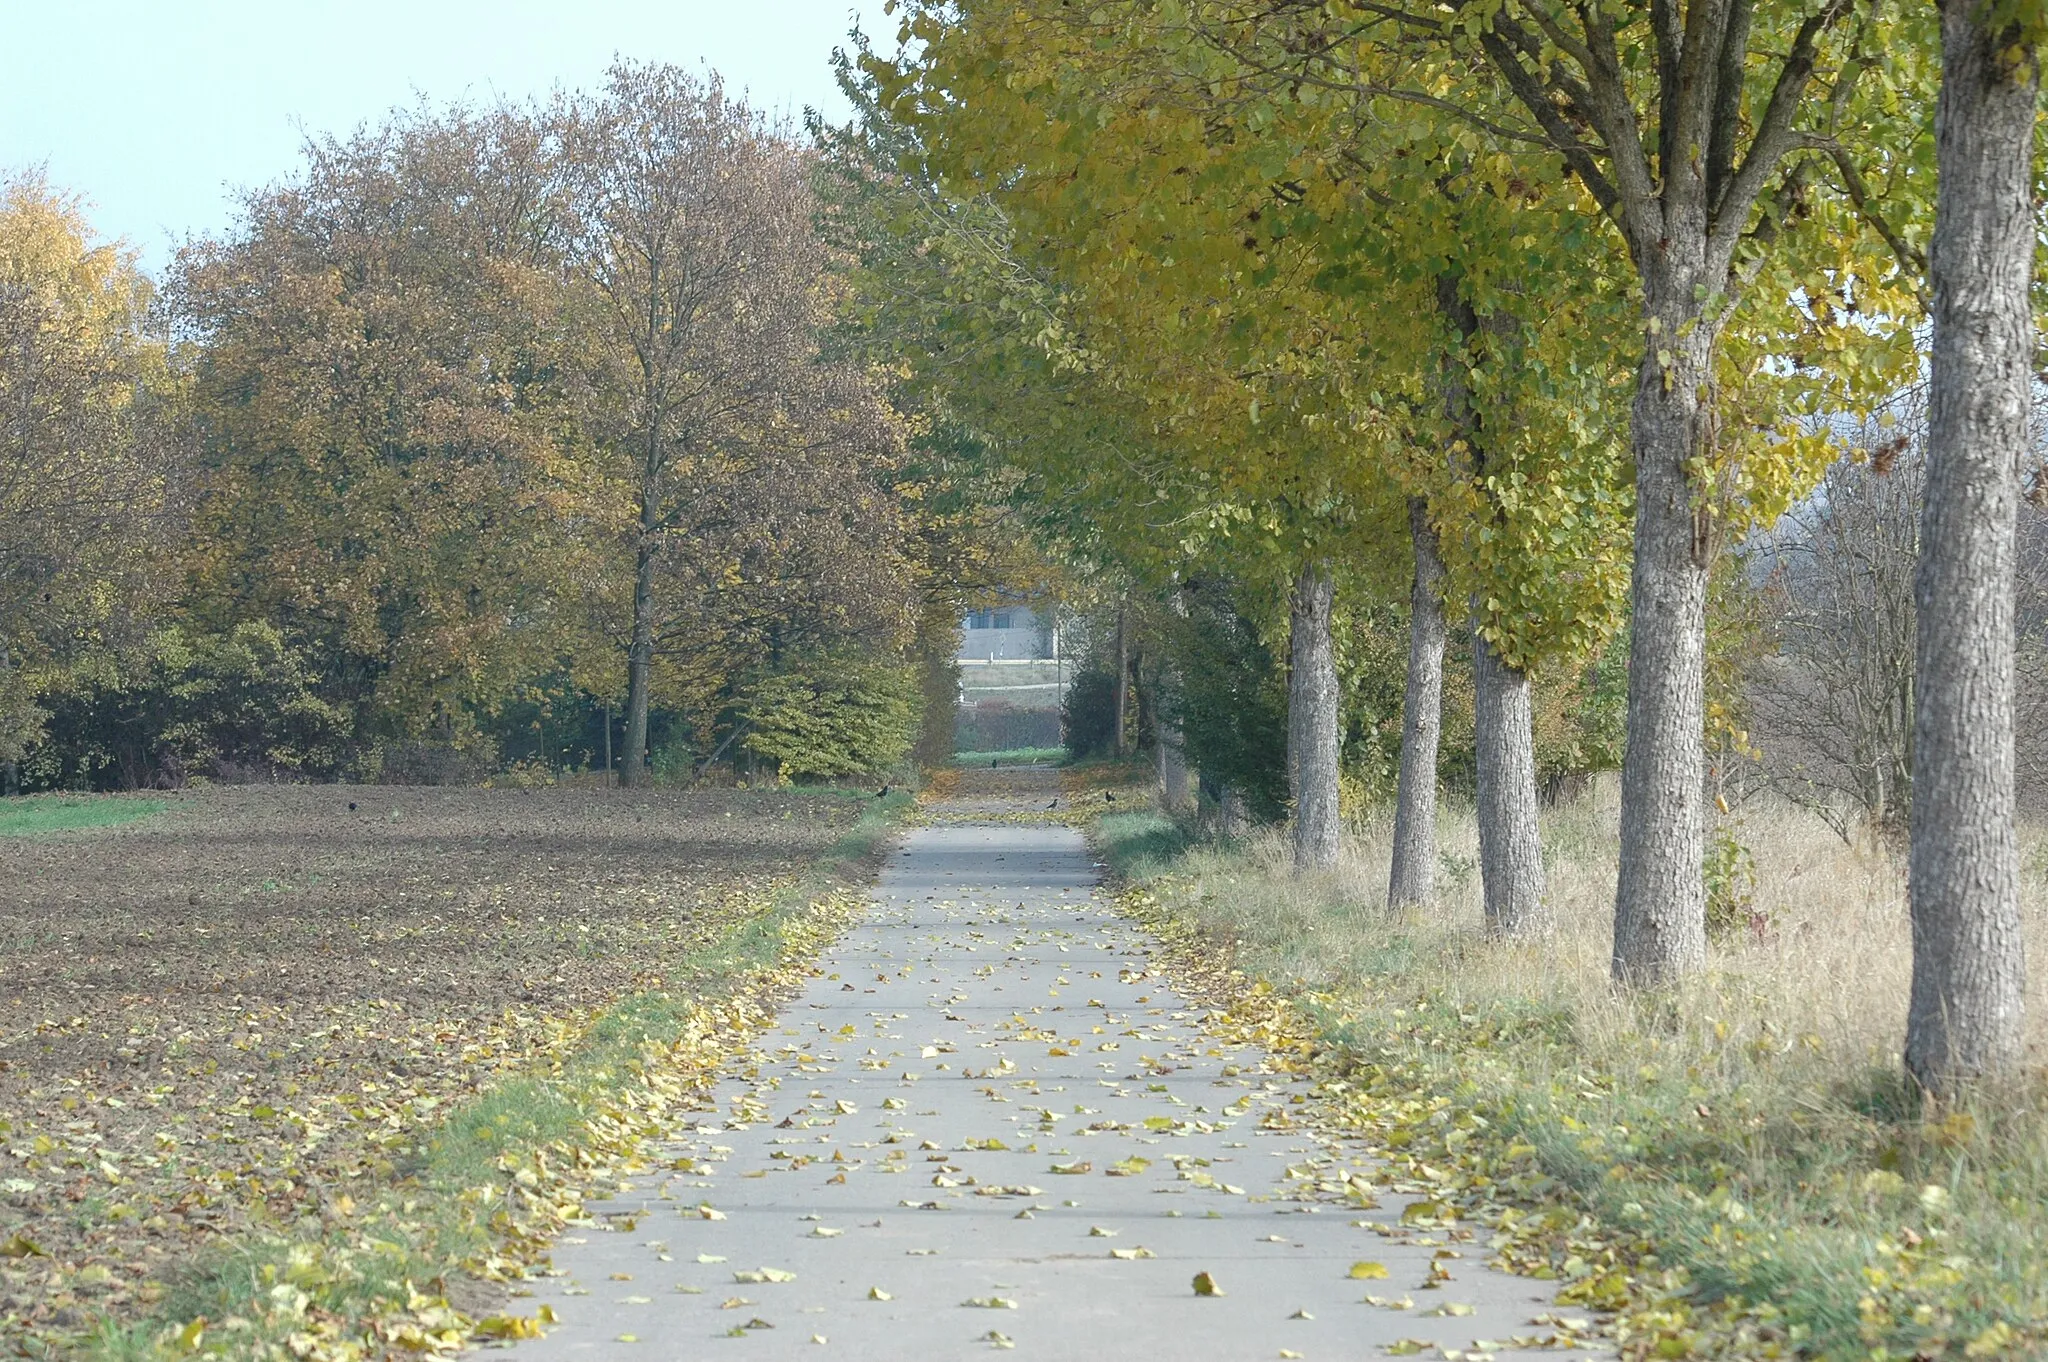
{"points": [[709, 1214], [764, 1274], [1289, 1352], [1077, 1166], [1137, 1251], [1205, 1285], [876, 1293], [1098, 1232], [1452, 1308], [546, 1315], [990, 1303], [629, 1338], [1408, 1347], [1367, 1271], [710, 1257]]}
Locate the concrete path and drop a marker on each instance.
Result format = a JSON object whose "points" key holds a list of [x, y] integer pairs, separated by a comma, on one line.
{"points": [[987, 1126]]}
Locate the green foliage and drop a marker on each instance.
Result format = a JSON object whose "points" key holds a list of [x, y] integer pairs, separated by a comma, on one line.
{"points": [[1729, 872], [1229, 697], [43, 813], [839, 715], [1088, 711], [237, 704]]}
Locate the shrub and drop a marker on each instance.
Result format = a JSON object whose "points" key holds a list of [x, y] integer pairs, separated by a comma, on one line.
{"points": [[838, 716], [1088, 711]]}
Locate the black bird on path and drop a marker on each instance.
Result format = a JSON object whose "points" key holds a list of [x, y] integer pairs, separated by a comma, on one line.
{"points": [[1055, 802], [883, 793], [351, 806], [1108, 798]]}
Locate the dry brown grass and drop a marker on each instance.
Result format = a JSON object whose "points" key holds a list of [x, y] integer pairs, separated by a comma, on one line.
{"points": [[1753, 1122]]}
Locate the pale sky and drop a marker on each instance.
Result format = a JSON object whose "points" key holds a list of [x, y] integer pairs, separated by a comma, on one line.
{"points": [[157, 110]]}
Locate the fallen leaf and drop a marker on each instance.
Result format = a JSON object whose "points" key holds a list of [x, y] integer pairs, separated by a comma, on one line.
{"points": [[1205, 1285], [1368, 1271], [990, 1303], [876, 1293]]}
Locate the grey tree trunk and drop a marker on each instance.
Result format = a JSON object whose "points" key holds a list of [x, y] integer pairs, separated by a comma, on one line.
{"points": [[1122, 691], [1660, 904], [1232, 814], [639, 667], [1964, 1018], [1510, 852], [1312, 720], [1414, 873], [1173, 762]]}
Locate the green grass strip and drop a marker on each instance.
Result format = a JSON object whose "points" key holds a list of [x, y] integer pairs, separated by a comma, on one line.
{"points": [[37, 815]]}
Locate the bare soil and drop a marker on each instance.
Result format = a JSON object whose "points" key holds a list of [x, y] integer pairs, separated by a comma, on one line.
{"points": [[221, 1015]]}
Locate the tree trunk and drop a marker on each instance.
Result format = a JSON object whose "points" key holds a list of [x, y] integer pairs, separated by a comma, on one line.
{"points": [[1660, 905], [10, 778], [639, 667], [1232, 814], [1312, 720], [1510, 853], [1121, 695], [1414, 873], [608, 776], [1173, 763], [1965, 1014]]}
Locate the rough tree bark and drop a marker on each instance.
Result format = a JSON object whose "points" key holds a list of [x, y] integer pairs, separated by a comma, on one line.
{"points": [[1312, 720], [1233, 814], [1510, 852], [1964, 1019], [1660, 904], [1414, 872], [639, 663]]}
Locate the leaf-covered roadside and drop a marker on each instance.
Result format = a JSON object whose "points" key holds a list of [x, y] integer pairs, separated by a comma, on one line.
{"points": [[340, 1171], [1699, 1226]]}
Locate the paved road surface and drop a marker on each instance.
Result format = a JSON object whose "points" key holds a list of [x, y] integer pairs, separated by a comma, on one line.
{"points": [[988, 1126]]}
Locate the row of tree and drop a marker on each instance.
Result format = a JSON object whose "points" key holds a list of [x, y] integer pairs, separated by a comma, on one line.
{"points": [[524, 432], [1564, 301]]}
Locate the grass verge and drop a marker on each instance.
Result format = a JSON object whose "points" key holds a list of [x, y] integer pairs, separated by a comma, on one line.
{"points": [[419, 1263], [1011, 756], [1733, 1171], [33, 815]]}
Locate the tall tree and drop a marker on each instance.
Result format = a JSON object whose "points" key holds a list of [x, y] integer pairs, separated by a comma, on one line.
{"points": [[709, 288], [1708, 137], [1964, 1017], [92, 456], [387, 448]]}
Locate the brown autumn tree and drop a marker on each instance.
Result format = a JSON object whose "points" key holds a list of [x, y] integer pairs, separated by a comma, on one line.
{"points": [[91, 454], [746, 469], [388, 471]]}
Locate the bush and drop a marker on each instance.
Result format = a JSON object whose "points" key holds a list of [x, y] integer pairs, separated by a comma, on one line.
{"points": [[1230, 701], [1088, 711], [839, 716], [239, 705]]}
